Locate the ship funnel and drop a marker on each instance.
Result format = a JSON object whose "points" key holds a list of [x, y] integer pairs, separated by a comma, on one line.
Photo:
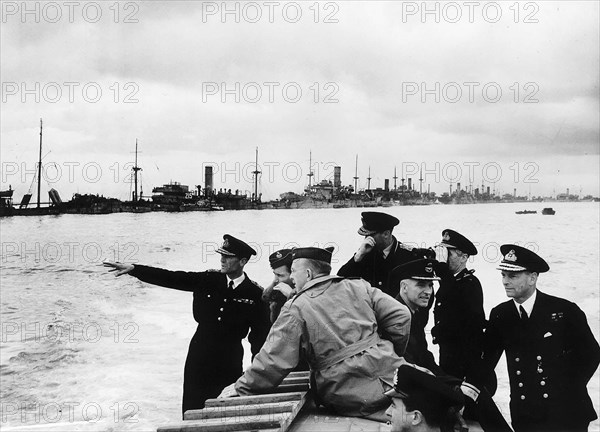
{"points": [[387, 185], [409, 183], [208, 180], [337, 176]]}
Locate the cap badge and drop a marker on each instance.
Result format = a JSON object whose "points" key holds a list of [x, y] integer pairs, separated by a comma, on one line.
{"points": [[511, 256], [446, 237], [278, 255], [226, 243], [429, 268]]}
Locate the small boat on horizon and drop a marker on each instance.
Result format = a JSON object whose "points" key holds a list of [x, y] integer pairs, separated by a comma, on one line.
{"points": [[548, 211], [526, 212]]}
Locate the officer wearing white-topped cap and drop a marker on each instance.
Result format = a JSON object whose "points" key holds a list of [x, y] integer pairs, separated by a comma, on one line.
{"points": [[551, 353]]}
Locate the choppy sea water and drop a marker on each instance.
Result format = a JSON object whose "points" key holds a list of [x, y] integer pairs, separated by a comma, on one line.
{"points": [[83, 350]]}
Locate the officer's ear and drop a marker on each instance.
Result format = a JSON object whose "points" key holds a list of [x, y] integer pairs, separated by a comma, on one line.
{"points": [[243, 261], [416, 417]]}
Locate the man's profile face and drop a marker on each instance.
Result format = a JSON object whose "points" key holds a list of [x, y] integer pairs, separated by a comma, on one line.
{"points": [[401, 420], [455, 259], [299, 274], [519, 285], [231, 264], [283, 275], [417, 292]]}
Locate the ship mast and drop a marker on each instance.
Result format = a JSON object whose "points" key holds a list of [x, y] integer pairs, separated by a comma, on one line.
{"points": [[39, 168], [256, 172], [356, 176], [310, 173], [369, 180], [395, 178], [135, 169]]}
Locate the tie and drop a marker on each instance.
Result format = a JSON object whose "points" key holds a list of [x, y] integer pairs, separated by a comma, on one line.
{"points": [[230, 286], [523, 313]]}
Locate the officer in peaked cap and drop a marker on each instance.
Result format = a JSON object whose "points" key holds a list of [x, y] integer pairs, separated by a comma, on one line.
{"points": [[227, 305], [313, 253], [414, 280], [551, 353], [235, 248], [379, 252], [458, 311], [422, 402], [282, 287]]}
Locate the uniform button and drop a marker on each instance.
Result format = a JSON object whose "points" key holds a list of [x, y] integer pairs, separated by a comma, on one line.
{"points": [[221, 309], [545, 395], [439, 304], [380, 283], [542, 383], [522, 397], [224, 300], [219, 319], [208, 296], [518, 372], [517, 359], [540, 370], [539, 357], [520, 384]]}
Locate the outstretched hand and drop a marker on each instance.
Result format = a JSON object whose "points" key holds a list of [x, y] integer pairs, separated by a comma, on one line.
{"points": [[118, 267]]}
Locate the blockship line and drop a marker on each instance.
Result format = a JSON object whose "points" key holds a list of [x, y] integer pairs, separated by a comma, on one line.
{"points": [[176, 197]]}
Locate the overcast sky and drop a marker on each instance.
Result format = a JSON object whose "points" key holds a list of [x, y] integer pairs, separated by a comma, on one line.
{"points": [[507, 92]]}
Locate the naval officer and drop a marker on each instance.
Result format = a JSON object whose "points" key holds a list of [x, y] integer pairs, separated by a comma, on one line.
{"points": [[551, 352], [422, 402], [379, 252], [227, 304], [458, 311], [414, 280]]}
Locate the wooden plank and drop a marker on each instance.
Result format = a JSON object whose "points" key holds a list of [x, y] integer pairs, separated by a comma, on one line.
{"points": [[255, 399], [295, 380], [225, 412], [305, 374], [287, 388], [270, 421]]}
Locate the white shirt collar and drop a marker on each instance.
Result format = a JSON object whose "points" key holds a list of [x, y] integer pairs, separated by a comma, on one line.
{"points": [[527, 304], [387, 250], [236, 282]]}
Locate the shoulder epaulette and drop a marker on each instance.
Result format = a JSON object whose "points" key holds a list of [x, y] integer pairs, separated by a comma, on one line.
{"points": [[405, 246]]}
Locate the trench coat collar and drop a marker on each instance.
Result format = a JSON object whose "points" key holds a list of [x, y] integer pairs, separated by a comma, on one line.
{"points": [[318, 281]]}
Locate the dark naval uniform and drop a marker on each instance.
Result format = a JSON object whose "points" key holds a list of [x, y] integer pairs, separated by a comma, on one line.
{"points": [[224, 316], [417, 351], [375, 269], [459, 322], [551, 356]]}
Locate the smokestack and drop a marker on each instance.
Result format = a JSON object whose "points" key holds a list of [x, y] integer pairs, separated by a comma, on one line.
{"points": [[387, 185], [458, 187], [208, 180], [488, 190], [410, 183], [514, 192], [337, 176]]}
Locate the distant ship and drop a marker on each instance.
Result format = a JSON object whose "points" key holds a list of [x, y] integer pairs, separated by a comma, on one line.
{"points": [[548, 211], [526, 212]]}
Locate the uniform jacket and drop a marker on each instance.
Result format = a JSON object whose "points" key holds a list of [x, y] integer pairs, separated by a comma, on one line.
{"points": [[335, 324], [550, 356], [417, 351], [459, 322], [224, 318], [376, 270]]}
